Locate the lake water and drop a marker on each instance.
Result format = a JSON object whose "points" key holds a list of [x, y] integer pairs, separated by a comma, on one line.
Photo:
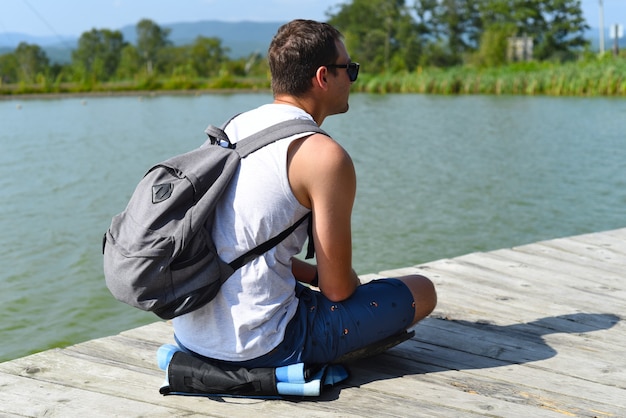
{"points": [[438, 177]]}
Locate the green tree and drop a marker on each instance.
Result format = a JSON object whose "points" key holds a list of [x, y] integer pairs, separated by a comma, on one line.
{"points": [[556, 26], [176, 61], [454, 28], [207, 56], [432, 49], [378, 33], [98, 54], [32, 62], [130, 63], [9, 68], [493, 46], [409, 47], [564, 30], [151, 40], [425, 11], [459, 26]]}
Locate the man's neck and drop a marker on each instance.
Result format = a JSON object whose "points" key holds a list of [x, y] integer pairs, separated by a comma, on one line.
{"points": [[302, 103]]}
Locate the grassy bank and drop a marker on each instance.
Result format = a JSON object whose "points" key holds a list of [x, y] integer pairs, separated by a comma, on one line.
{"points": [[596, 78], [140, 85], [592, 78]]}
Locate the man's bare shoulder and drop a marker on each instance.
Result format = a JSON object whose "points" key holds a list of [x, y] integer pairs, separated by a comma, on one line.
{"points": [[323, 149], [319, 163]]}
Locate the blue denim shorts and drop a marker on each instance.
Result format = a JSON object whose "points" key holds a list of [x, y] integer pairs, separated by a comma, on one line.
{"points": [[322, 330], [375, 311]]}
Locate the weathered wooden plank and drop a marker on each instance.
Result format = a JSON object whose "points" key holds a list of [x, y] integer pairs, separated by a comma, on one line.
{"points": [[529, 378], [386, 395], [559, 323], [616, 244], [59, 368], [390, 378], [525, 288], [503, 385], [601, 250], [547, 352], [553, 267], [499, 267], [576, 255], [617, 233], [25, 396], [159, 331], [474, 291], [548, 283], [115, 350]]}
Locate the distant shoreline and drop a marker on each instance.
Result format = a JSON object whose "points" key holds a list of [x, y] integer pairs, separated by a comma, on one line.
{"points": [[143, 93]]}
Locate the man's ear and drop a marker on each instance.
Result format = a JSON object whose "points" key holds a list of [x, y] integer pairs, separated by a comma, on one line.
{"points": [[320, 78]]}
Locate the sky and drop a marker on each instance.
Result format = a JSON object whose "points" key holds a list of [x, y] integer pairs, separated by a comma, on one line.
{"points": [[73, 17]]}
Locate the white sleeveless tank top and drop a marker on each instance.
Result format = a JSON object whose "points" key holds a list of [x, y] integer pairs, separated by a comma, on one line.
{"points": [[248, 317]]}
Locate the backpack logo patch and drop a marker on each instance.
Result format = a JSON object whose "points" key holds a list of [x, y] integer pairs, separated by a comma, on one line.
{"points": [[161, 192]]}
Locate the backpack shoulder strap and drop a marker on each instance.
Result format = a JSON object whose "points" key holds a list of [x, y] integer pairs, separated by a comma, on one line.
{"points": [[273, 133], [268, 245], [265, 136]]}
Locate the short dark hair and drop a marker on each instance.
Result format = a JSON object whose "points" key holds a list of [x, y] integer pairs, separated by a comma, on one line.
{"points": [[298, 49]]}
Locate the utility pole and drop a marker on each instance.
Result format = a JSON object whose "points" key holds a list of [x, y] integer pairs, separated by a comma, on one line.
{"points": [[617, 31], [601, 28]]}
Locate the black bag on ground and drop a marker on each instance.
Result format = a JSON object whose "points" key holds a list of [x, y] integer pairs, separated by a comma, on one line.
{"points": [[191, 375], [159, 255], [188, 375]]}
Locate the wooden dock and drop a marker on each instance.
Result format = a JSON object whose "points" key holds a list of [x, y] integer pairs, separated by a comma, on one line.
{"points": [[533, 331]]}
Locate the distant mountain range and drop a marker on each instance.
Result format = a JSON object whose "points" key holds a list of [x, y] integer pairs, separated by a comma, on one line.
{"points": [[241, 38]]}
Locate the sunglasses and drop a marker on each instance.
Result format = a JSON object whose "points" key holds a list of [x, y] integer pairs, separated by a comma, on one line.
{"points": [[352, 69]]}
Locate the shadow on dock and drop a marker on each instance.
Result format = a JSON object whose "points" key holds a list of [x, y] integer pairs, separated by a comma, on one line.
{"points": [[442, 345]]}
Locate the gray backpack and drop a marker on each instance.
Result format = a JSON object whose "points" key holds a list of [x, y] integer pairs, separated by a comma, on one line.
{"points": [[158, 253]]}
